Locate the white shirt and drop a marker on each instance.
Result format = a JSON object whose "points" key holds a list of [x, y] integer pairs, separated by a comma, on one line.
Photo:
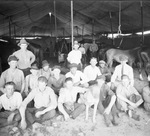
{"points": [[74, 56], [24, 59], [43, 99], [12, 103], [91, 72], [128, 70], [66, 95], [79, 76]]}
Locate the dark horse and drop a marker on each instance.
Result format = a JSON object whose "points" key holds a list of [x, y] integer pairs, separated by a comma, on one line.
{"points": [[37, 51], [62, 48]]}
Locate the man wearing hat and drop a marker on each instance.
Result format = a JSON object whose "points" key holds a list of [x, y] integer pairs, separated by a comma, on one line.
{"points": [[79, 79], [45, 70], [104, 70], [12, 74], [26, 57], [56, 81], [75, 55], [31, 80], [122, 69]]}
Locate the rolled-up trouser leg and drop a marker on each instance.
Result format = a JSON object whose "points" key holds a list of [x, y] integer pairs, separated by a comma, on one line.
{"points": [[48, 115], [78, 109]]}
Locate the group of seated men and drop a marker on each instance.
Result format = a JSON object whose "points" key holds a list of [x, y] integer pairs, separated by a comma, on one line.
{"points": [[46, 92]]}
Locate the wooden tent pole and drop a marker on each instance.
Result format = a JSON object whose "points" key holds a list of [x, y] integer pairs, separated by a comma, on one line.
{"points": [[142, 23], [9, 26], [55, 20], [72, 23], [14, 31], [82, 31], [111, 26], [92, 29]]}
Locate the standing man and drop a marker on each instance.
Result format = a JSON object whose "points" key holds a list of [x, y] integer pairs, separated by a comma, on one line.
{"points": [[12, 74], [26, 57], [75, 55]]}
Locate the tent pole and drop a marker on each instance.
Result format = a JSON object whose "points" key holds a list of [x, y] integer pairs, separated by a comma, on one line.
{"points": [[72, 23], [82, 32], [111, 26], [14, 32], [92, 29], [9, 26], [142, 23], [55, 20]]}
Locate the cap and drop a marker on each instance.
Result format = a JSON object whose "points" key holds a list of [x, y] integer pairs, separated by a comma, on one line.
{"points": [[102, 62], [73, 65], [45, 63], [56, 67], [12, 57], [23, 41], [34, 66]]}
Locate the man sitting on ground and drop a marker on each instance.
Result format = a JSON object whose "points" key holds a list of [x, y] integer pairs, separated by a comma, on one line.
{"points": [[10, 101], [13, 74], [67, 104], [92, 71], [128, 98], [104, 70], [45, 103], [56, 81], [107, 105], [79, 79], [122, 69], [45, 70]]}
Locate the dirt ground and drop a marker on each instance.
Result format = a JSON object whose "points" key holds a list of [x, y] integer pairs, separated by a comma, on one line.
{"points": [[80, 127]]}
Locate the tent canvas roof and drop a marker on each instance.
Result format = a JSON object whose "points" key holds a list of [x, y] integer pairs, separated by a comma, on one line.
{"points": [[30, 18]]}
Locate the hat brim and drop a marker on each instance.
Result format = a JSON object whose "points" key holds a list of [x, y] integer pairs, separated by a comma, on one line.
{"points": [[22, 43]]}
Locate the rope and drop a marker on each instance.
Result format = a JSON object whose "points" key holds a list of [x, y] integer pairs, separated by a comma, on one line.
{"points": [[119, 27]]}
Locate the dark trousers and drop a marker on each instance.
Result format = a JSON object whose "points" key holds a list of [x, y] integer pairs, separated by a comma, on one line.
{"points": [[30, 115], [78, 109], [4, 116], [103, 105]]}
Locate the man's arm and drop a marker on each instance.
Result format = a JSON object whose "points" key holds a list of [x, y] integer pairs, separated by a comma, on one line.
{"points": [[32, 59], [24, 104], [2, 82], [23, 83], [60, 105], [121, 97], [114, 76]]}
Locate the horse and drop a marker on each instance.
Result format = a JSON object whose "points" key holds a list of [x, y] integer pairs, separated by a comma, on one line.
{"points": [[114, 54], [37, 51], [145, 60]]}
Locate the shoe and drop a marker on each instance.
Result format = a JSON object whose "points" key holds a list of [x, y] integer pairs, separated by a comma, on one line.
{"points": [[107, 120], [115, 121], [135, 116]]}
